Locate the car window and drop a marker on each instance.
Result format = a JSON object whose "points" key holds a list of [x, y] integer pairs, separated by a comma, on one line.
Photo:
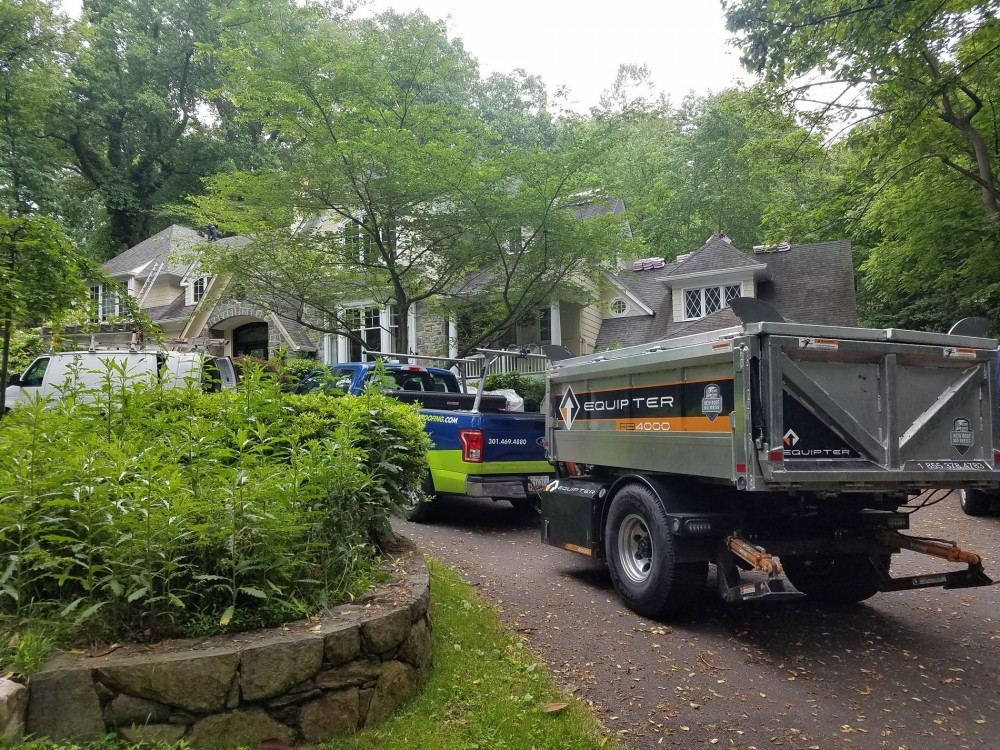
{"points": [[35, 373], [442, 383], [410, 380]]}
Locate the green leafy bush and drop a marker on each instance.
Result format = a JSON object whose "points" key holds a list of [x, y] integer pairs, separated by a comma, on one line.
{"points": [[154, 512], [24, 347], [532, 390], [296, 368]]}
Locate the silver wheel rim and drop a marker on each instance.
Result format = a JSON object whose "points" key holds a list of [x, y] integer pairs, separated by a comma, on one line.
{"points": [[412, 501], [635, 548]]}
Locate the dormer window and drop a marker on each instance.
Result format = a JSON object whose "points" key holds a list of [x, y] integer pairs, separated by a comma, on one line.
{"points": [[196, 289], [704, 301]]}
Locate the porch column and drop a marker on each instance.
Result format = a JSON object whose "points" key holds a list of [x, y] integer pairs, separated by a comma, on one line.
{"points": [[555, 323], [411, 330], [453, 336]]}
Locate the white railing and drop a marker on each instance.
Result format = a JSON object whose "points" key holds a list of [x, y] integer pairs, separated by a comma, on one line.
{"points": [[527, 364], [470, 368]]}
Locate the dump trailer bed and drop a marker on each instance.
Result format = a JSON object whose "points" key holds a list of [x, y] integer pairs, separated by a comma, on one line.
{"points": [[769, 438], [783, 406]]}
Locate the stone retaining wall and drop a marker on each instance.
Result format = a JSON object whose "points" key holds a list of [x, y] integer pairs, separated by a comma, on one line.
{"points": [[301, 683]]}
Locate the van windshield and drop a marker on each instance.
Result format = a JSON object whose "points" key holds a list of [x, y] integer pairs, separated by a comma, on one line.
{"points": [[35, 374]]}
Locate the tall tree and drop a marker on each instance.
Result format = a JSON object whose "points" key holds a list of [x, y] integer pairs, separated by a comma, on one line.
{"points": [[394, 189], [904, 61], [41, 276], [727, 162], [33, 37], [135, 120]]}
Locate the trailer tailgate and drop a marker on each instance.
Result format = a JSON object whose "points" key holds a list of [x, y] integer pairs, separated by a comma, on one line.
{"points": [[855, 414]]}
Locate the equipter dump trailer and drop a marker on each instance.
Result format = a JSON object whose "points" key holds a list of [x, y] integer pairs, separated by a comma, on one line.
{"points": [[784, 453]]}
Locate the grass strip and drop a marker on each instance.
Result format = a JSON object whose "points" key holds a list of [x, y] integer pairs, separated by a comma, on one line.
{"points": [[486, 690]]}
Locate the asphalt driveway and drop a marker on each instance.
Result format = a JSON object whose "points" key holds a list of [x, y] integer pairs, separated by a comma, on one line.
{"points": [[911, 670]]}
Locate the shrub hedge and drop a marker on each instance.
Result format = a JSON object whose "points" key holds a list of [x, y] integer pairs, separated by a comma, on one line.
{"points": [[175, 512]]}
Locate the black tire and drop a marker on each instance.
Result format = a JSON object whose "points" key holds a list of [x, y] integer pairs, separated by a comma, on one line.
{"points": [[640, 551], [419, 507], [975, 502], [836, 580], [530, 506]]}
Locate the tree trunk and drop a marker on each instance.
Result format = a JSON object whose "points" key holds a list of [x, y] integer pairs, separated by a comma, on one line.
{"points": [[4, 357], [401, 342]]}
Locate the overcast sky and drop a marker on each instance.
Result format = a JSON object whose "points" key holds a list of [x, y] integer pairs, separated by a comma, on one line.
{"points": [[581, 43]]}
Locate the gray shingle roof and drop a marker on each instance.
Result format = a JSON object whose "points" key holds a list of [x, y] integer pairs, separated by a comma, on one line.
{"points": [[590, 207], [812, 284], [807, 284], [715, 255], [173, 246], [174, 240]]}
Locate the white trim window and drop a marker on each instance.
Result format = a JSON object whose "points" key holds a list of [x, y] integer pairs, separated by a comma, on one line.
{"points": [[105, 299], [704, 301], [360, 243], [198, 287], [376, 326]]}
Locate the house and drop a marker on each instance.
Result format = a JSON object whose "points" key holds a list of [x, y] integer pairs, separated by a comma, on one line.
{"points": [[643, 301], [189, 305]]}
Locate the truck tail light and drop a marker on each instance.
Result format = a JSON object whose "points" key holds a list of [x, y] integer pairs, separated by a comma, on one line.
{"points": [[472, 445], [776, 455], [996, 457]]}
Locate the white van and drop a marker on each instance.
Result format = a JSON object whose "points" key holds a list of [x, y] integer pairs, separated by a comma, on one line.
{"points": [[53, 375]]}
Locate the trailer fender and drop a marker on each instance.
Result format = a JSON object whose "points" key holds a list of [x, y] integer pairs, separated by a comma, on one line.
{"points": [[696, 533]]}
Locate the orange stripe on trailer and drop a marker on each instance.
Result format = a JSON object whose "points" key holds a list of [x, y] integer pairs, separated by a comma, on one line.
{"points": [[577, 548], [670, 424]]}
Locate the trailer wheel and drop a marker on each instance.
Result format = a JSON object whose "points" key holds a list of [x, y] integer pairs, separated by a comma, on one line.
{"points": [[836, 580], [640, 553], [975, 502], [418, 505]]}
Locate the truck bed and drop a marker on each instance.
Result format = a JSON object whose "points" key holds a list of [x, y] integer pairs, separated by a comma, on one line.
{"points": [[490, 404]]}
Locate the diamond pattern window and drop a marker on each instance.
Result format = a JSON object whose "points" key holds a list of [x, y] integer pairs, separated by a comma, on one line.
{"points": [[701, 302]]}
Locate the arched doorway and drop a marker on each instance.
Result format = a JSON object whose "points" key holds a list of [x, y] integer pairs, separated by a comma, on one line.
{"points": [[250, 340]]}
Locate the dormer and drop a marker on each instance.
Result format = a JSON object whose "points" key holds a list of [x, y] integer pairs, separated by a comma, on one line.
{"points": [[707, 280], [195, 283]]}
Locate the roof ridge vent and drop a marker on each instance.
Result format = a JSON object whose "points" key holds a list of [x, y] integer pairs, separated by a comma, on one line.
{"points": [[781, 247], [648, 264]]}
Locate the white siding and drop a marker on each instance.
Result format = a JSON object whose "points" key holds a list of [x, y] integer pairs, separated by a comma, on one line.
{"points": [[162, 293]]}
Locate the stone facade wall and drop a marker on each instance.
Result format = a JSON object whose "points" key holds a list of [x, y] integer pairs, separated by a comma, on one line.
{"points": [[301, 683], [431, 334]]}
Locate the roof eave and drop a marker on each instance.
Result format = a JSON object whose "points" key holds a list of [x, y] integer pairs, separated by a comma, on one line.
{"points": [[739, 271]]}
